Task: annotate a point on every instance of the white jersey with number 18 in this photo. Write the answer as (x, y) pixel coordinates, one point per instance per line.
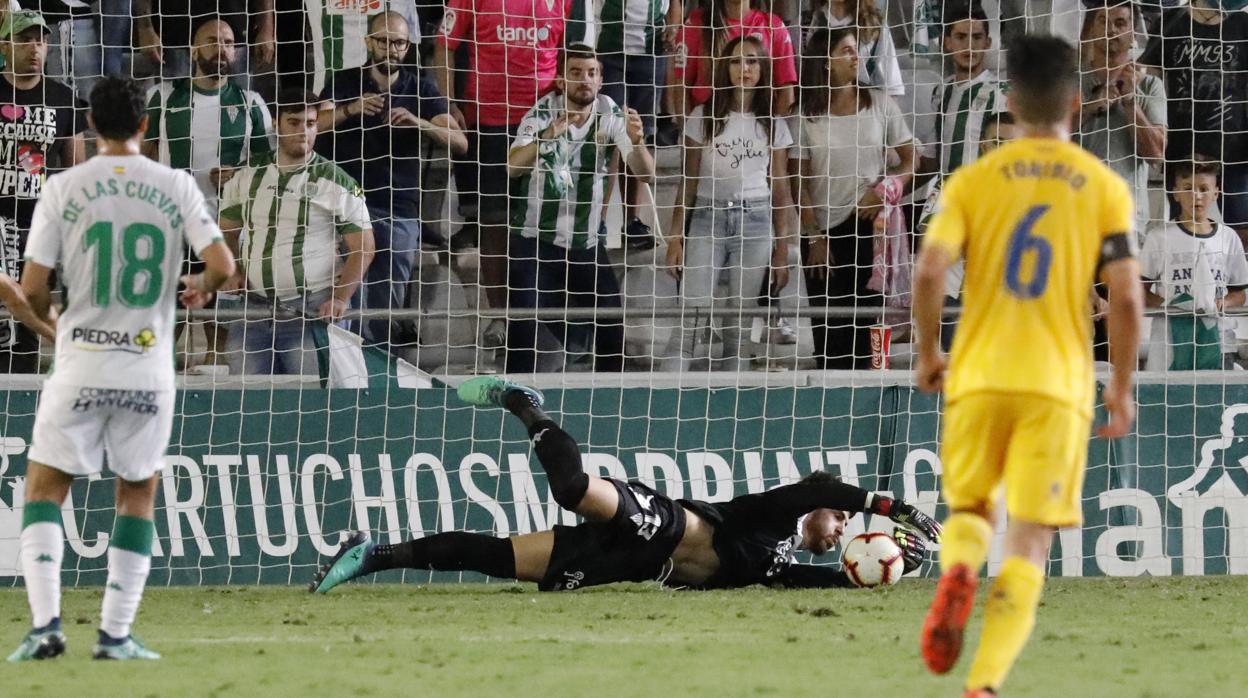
(115, 226)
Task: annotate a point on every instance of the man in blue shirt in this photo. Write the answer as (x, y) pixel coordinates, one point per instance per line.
(372, 121)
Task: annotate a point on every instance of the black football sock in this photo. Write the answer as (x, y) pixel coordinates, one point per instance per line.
(556, 451)
(561, 459)
(521, 404)
(447, 552)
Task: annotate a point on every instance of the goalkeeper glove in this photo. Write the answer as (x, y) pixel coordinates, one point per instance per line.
(913, 549)
(907, 515)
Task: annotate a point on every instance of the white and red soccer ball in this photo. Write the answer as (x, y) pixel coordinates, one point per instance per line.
(873, 559)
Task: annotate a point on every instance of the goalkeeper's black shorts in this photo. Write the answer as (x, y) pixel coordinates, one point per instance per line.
(634, 546)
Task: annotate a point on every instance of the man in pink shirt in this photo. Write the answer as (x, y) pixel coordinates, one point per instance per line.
(512, 48)
(725, 20)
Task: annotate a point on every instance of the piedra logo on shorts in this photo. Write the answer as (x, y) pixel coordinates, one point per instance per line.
(93, 339)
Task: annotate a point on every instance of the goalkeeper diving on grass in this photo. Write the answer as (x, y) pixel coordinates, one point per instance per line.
(632, 533)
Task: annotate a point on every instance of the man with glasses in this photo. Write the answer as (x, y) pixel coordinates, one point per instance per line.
(333, 31)
(372, 123)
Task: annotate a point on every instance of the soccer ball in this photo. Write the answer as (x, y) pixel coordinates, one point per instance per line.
(872, 559)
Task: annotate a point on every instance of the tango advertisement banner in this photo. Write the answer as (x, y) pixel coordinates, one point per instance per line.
(260, 484)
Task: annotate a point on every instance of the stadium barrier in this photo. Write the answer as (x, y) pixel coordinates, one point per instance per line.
(261, 482)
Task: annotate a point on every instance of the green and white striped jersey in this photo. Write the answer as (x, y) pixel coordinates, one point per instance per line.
(198, 129)
(631, 26)
(292, 221)
(560, 200)
(960, 109)
(338, 28)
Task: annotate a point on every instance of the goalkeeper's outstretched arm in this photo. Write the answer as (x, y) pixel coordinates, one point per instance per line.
(823, 491)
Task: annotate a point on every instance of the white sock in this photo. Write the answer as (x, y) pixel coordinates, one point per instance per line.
(43, 546)
(127, 575)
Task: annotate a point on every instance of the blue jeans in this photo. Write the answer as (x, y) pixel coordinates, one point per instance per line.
(385, 282)
(544, 275)
(728, 242)
(277, 345)
(96, 46)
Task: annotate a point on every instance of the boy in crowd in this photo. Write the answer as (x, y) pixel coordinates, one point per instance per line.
(1196, 264)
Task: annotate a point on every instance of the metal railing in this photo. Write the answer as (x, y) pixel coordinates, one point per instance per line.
(666, 313)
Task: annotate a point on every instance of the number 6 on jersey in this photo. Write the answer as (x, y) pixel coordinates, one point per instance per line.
(1022, 242)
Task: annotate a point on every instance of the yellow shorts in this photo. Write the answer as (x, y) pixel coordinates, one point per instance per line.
(1035, 447)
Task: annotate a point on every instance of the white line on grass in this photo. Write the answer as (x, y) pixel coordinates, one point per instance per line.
(614, 639)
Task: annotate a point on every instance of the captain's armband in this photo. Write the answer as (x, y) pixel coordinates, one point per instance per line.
(1115, 247)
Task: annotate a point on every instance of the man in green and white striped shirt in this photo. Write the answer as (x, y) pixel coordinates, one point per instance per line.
(961, 105)
(293, 211)
(559, 165)
(206, 124)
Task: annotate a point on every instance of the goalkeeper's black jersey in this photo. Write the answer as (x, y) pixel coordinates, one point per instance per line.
(753, 547)
(756, 535)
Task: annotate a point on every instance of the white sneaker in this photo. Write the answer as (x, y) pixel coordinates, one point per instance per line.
(783, 333)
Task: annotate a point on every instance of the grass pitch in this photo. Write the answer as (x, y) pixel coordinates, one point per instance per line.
(1095, 637)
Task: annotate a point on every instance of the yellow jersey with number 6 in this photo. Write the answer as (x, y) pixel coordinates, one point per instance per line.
(1029, 219)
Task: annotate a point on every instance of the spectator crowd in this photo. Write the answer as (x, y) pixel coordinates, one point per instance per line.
(806, 143)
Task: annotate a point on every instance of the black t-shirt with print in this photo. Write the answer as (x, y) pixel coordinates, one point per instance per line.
(32, 123)
(1206, 75)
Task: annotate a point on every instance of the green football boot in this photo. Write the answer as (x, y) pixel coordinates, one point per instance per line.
(41, 643)
(129, 648)
(350, 562)
(488, 391)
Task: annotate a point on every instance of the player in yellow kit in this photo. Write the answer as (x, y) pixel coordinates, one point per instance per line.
(1038, 221)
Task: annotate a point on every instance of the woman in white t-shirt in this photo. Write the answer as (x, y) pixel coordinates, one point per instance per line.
(845, 135)
(734, 191)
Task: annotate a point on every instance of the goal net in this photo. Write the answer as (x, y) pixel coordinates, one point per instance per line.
(733, 322)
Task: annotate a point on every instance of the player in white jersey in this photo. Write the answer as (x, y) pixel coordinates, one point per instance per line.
(114, 227)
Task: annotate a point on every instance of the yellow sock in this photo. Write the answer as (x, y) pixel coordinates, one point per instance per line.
(965, 541)
(1009, 616)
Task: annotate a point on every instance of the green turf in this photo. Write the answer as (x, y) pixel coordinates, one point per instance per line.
(1144, 637)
